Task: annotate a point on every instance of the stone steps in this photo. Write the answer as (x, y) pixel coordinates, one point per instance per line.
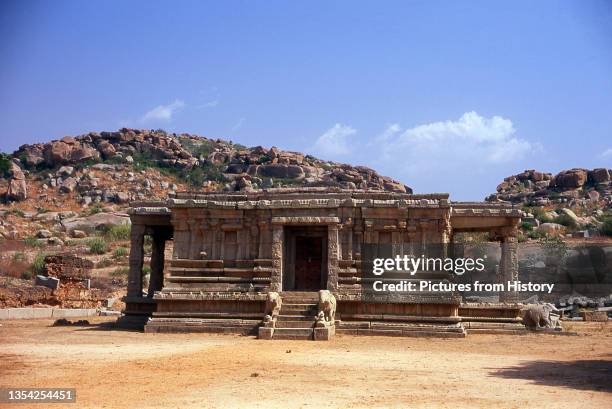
(297, 315)
(401, 329)
(295, 324)
(293, 333)
(186, 325)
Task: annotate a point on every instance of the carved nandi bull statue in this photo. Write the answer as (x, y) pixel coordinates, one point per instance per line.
(537, 316)
(327, 308)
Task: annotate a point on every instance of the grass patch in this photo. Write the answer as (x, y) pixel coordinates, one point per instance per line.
(97, 245)
(105, 262)
(120, 272)
(120, 252)
(36, 268)
(118, 233)
(16, 212)
(32, 242)
(19, 256)
(95, 209)
(566, 221)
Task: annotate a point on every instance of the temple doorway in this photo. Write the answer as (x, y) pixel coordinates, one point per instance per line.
(305, 266)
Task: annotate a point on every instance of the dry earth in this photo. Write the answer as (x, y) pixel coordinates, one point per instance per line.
(121, 369)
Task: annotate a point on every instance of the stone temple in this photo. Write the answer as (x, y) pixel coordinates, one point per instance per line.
(256, 262)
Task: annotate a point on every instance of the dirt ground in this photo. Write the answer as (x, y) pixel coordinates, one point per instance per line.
(121, 369)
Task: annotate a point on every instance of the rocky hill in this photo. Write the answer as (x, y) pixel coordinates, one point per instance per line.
(569, 188)
(575, 202)
(203, 163)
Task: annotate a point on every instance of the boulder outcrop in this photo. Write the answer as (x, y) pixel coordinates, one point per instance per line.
(574, 186)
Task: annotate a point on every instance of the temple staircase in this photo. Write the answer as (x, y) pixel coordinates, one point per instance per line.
(297, 316)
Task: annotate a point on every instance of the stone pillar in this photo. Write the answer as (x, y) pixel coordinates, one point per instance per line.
(192, 251)
(276, 279)
(349, 244)
(156, 282)
(181, 239)
(332, 257)
(508, 266)
(214, 252)
(263, 239)
(136, 259)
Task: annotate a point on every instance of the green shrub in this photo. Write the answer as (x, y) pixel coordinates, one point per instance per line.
(5, 163)
(120, 252)
(606, 228)
(97, 245)
(146, 269)
(565, 220)
(17, 212)
(263, 159)
(526, 226)
(95, 209)
(32, 242)
(117, 233)
(534, 234)
(38, 266)
(19, 256)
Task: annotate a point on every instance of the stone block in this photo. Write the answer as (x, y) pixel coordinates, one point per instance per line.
(4, 314)
(599, 316)
(323, 334)
(28, 313)
(50, 282)
(73, 312)
(265, 333)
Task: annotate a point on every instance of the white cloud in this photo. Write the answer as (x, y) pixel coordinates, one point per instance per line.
(209, 104)
(389, 132)
(606, 153)
(238, 124)
(471, 137)
(163, 113)
(335, 140)
(461, 156)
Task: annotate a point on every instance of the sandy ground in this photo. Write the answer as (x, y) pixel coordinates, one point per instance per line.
(122, 369)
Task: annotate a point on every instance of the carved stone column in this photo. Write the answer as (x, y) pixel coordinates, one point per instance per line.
(333, 256)
(156, 281)
(276, 279)
(263, 235)
(181, 239)
(192, 248)
(136, 259)
(508, 266)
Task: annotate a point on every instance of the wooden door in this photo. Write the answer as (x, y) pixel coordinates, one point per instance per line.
(308, 262)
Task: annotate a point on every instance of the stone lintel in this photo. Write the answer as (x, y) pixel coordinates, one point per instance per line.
(305, 220)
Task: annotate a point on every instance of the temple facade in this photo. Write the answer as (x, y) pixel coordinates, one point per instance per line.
(286, 263)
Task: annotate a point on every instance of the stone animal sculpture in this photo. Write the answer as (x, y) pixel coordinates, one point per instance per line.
(273, 304)
(327, 305)
(537, 316)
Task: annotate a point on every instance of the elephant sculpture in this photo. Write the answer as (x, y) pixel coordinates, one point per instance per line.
(538, 316)
(327, 306)
(273, 304)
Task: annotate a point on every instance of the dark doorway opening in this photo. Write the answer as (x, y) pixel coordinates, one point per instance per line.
(308, 260)
(305, 258)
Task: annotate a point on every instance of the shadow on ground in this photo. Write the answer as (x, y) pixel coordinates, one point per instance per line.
(594, 375)
(84, 325)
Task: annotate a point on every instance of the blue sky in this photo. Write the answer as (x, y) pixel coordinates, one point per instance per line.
(442, 95)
